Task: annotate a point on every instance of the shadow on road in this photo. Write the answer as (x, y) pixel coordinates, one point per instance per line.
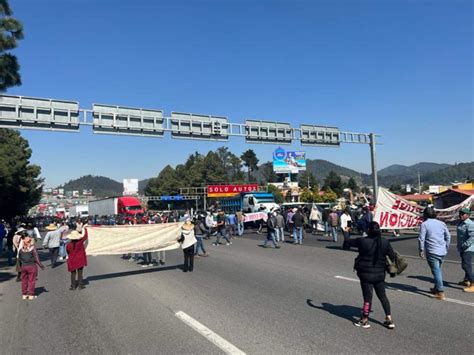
(130, 273)
(430, 280)
(349, 313)
(40, 290)
(339, 247)
(5, 276)
(401, 239)
(408, 288)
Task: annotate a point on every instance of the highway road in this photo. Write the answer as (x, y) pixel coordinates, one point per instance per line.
(241, 299)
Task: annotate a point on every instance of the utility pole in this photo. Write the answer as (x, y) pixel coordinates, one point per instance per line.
(419, 183)
(373, 159)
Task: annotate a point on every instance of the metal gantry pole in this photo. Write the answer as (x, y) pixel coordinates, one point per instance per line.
(373, 159)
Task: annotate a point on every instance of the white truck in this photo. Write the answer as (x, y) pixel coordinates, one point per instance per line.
(79, 211)
(122, 205)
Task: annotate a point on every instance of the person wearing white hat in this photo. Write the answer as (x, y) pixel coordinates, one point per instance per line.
(77, 260)
(187, 241)
(51, 241)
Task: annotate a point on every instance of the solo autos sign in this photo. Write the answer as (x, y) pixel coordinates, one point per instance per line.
(394, 212)
(229, 190)
(288, 161)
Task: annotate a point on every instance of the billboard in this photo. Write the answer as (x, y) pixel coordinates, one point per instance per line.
(285, 162)
(229, 190)
(130, 187)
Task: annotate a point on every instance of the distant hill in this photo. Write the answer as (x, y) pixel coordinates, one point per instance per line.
(430, 173)
(321, 168)
(453, 173)
(101, 186)
(142, 185)
(413, 170)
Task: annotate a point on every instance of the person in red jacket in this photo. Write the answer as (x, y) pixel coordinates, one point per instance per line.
(77, 259)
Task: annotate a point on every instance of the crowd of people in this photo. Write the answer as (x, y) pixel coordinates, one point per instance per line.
(68, 241)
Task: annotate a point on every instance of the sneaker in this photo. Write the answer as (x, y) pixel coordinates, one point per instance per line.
(363, 324)
(205, 254)
(61, 258)
(32, 297)
(464, 283)
(469, 289)
(264, 246)
(440, 296)
(277, 247)
(150, 264)
(145, 265)
(162, 262)
(389, 324)
(24, 297)
(228, 243)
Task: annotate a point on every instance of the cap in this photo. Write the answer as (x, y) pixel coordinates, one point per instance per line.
(465, 211)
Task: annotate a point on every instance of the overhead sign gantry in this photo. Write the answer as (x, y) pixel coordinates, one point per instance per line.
(23, 112)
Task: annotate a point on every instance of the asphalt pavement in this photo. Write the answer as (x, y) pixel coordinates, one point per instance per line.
(242, 298)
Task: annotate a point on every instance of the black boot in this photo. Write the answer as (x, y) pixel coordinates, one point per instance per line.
(79, 279)
(73, 281)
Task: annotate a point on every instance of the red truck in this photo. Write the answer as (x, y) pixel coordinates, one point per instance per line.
(123, 205)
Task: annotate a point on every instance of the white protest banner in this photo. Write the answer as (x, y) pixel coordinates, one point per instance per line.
(452, 213)
(143, 238)
(249, 217)
(394, 212)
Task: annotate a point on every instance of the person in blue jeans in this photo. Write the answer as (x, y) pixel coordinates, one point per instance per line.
(465, 246)
(433, 242)
(271, 227)
(221, 230)
(298, 222)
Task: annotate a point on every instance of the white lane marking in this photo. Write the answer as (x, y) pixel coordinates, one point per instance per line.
(223, 344)
(459, 302)
(346, 278)
(452, 300)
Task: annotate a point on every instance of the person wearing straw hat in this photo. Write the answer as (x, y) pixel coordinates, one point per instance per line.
(77, 258)
(51, 241)
(187, 241)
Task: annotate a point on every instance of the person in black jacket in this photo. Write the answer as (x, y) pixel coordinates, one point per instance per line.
(370, 267)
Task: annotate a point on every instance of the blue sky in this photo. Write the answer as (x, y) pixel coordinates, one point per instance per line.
(402, 69)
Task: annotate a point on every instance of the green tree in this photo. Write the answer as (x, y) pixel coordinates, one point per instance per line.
(276, 193)
(20, 184)
(316, 196)
(236, 169)
(329, 195)
(334, 182)
(307, 178)
(11, 30)
(306, 195)
(250, 161)
(267, 173)
(352, 184)
(396, 189)
(213, 169)
(165, 183)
